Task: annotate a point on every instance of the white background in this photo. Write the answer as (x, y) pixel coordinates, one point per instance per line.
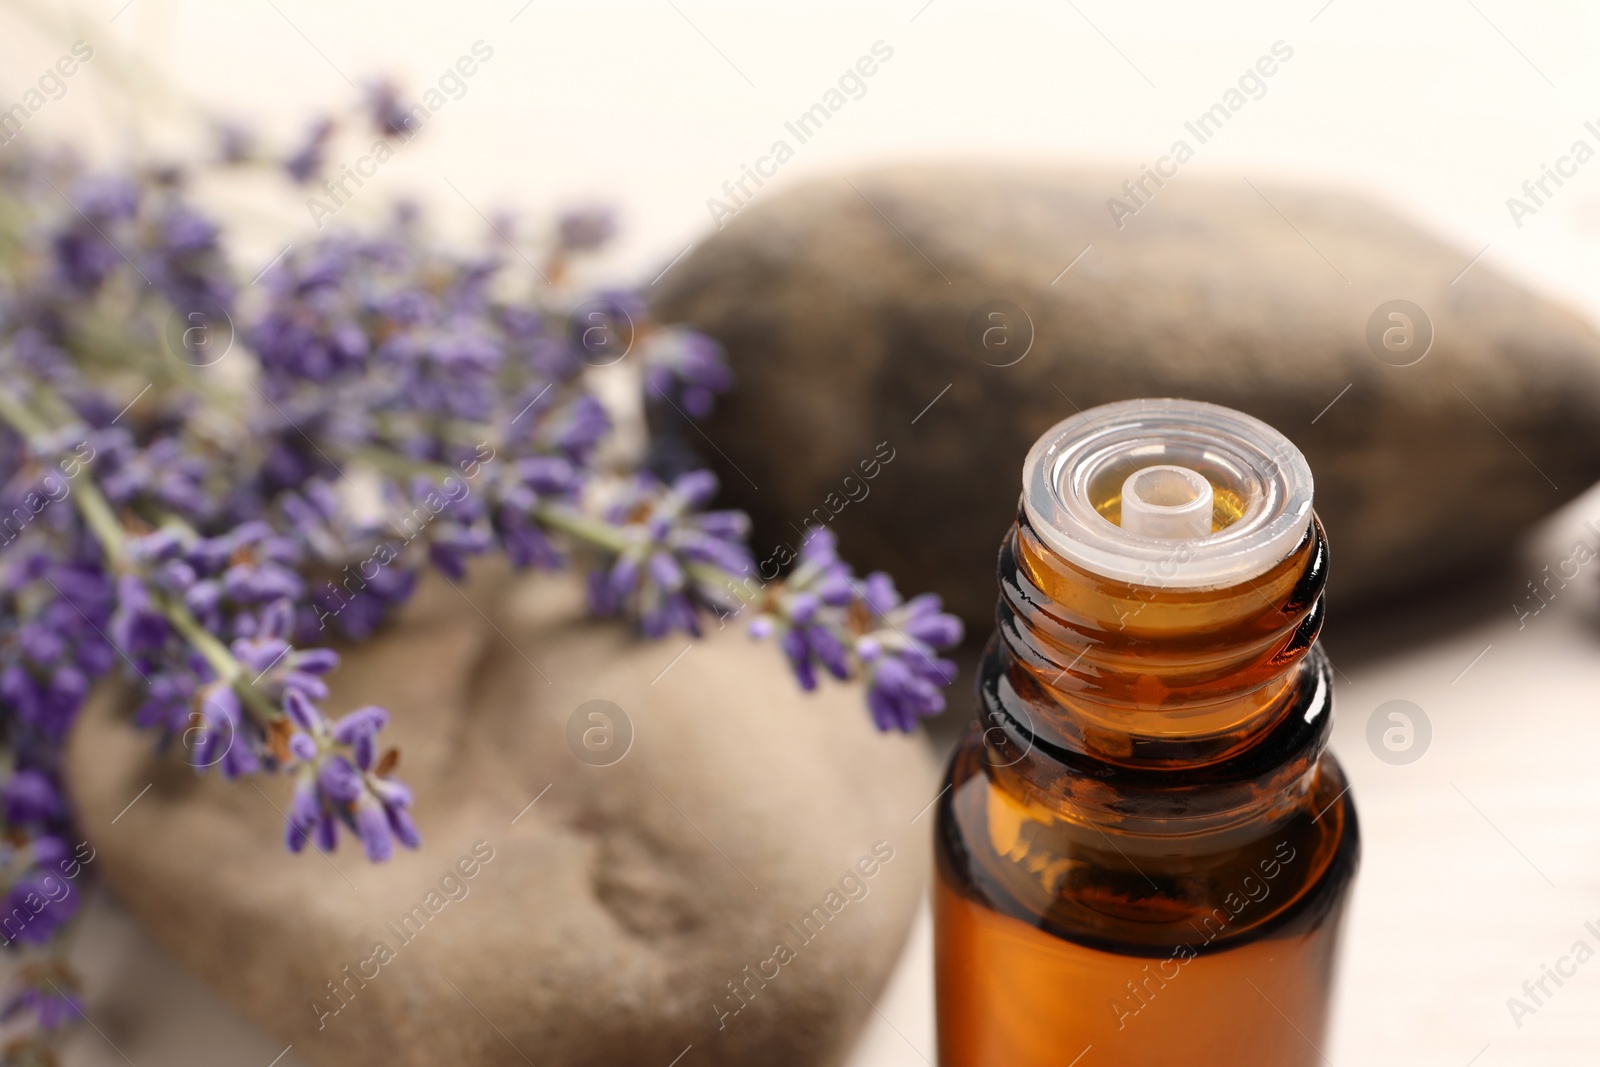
(1442, 108)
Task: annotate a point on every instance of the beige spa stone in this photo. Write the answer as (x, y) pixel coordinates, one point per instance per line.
(614, 911)
(847, 305)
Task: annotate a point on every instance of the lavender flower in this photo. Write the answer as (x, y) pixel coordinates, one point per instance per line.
(42, 894)
(402, 407)
(363, 578)
(905, 675)
(826, 618)
(387, 113)
(53, 612)
(48, 994)
(85, 250)
(235, 143)
(334, 786)
(312, 329)
(686, 368)
(518, 492)
(674, 556)
(585, 229)
(308, 160)
(29, 797)
(579, 428)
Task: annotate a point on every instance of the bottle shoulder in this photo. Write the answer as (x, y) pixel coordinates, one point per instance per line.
(1092, 882)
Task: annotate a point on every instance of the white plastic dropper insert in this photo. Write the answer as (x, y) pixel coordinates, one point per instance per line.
(1167, 501)
(1165, 463)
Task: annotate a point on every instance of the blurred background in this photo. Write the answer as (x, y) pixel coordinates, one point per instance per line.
(1481, 864)
(1442, 109)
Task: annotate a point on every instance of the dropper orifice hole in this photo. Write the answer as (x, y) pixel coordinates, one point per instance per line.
(1167, 501)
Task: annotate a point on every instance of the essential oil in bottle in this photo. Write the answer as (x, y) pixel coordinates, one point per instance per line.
(1144, 848)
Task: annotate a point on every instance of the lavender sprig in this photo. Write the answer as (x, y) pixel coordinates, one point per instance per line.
(823, 616)
(214, 529)
(232, 705)
(667, 557)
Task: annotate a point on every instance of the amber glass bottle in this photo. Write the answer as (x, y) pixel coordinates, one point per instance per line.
(1144, 848)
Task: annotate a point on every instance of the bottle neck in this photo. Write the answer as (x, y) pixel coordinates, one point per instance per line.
(1163, 711)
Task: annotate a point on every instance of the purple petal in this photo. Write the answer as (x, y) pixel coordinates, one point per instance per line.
(665, 572)
(802, 608)
(799, 653)
(372, 824)
(624, 577)
(697, 488)
(829, 651)
(302, 747)
(316, 660)
(305, 716)
(879, 593)
(339, 780)
(938, 629)
(361, 722)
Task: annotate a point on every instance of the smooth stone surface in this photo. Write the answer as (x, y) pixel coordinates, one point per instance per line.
(614, 911)
(848, 311)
